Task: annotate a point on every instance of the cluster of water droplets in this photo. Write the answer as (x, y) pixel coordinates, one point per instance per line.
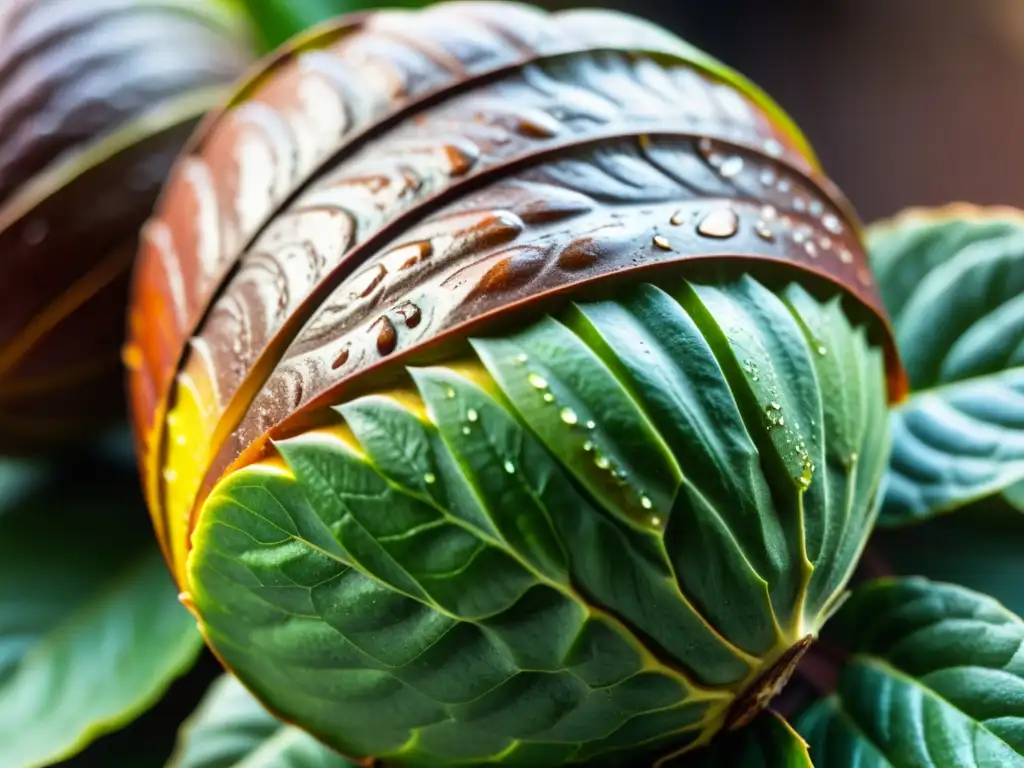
(792, 209)
(589, 445)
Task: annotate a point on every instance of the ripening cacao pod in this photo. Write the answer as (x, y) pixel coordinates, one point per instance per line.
(97, 97)
(509, 388)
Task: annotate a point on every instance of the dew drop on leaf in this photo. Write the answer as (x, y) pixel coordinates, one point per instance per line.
(568, 415)
(831, 222)
(720, 223)
(733, 166)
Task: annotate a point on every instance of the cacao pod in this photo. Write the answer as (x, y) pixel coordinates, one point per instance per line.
(508, 388)
(97, 98)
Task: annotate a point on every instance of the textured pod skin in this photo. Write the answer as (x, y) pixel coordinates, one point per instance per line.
(96, 100)
(508, 388)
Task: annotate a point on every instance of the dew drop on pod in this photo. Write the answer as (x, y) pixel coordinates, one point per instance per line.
(511, 387)
(97, 97)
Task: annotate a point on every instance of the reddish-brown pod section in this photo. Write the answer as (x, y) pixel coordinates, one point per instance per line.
(401, 179)
(97, 97)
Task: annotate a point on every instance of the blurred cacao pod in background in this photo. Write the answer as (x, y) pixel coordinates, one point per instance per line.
(508, 387)
(97, 97)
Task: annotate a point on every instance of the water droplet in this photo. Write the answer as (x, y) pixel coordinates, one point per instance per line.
(645, 502)
(568, 415)
(341, 359)
(800, 236)
(720, 223)
(466, 430)
(784, 186)
(768, 177)
(410, 314)
(763, 231)
(825, 242)
(170, 475)
(812, 250)
(715, 160)
(602, 461)
(537, 381)
(449, 393)
(677, 218)
(731, 167)
(548, 397)
(845, 256)
(776, 406)
(799, 204)
(472, 415)
(656, 521)
(773, 148)
(822, 350)
(591, 424)
(510, 467)
(387, 336)
(181, 440)
(521, 358)
(769, 212)
(429, 478)
(831, 222)
(816, 208)
(662, 243)
(588, 446)
(782, 421)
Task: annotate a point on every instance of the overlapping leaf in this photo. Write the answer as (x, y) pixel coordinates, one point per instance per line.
(953, 281)
(91, 632)
(935, 679)
(96, 100)
(230, 729)
(524, 554)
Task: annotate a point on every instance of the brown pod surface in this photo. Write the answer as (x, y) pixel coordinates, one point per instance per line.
(399, 178)
(97, 97)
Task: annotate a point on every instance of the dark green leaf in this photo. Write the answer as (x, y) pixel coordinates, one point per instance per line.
(935, 679)
(953, 281)
(979, 547)
(768, 742)
(230, 729)
(91, 632)
(277, 21)
(574, 541)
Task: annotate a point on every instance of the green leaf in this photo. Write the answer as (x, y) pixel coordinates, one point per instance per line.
(277, 21)
(91, 632)
(768, 742)
(579, 540)
(978, 547)
(935, 679)
(953, 281)
(231, 729)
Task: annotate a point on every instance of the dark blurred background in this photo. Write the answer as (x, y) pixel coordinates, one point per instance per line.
(908, 102)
